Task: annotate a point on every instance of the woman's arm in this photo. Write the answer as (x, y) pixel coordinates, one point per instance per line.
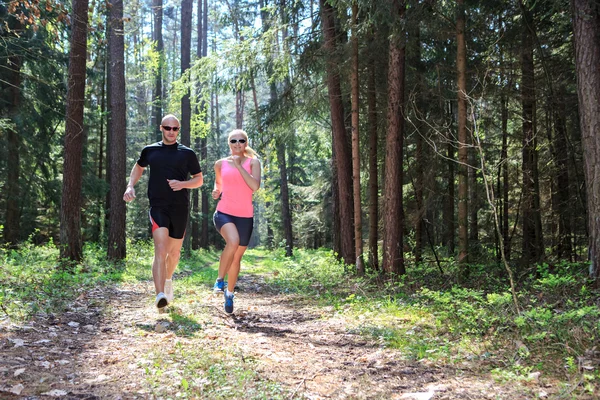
(253, 179)
(217, 189)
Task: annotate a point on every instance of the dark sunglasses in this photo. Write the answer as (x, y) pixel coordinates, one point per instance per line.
(168, 128)
(233, 141)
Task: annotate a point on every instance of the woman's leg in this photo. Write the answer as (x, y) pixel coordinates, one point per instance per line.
(234, 268)
(232, 243)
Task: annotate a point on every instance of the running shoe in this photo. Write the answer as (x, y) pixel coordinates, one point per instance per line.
(219, 286)
(228, 303)
(169, 289)
(161, 300)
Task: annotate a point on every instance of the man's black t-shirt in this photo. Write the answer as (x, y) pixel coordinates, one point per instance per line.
(173, 161)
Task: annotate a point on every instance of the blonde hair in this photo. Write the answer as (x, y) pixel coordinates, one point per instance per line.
(248, 151)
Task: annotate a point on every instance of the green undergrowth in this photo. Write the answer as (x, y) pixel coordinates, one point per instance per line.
(425, 314)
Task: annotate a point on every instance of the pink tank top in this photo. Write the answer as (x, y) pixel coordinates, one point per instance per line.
(236, 196)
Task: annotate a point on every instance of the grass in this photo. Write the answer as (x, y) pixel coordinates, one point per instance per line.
(424, 314)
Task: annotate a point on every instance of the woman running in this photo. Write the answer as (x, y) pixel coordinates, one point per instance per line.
(237, 177)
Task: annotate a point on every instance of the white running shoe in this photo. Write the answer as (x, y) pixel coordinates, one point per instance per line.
(169, 289)
(161, 300)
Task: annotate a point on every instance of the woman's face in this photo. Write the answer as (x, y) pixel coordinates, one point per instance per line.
(237, 143)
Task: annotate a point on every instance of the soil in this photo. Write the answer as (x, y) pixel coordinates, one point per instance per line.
(90, 351)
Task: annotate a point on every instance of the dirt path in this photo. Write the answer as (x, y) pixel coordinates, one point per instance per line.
(93, 350)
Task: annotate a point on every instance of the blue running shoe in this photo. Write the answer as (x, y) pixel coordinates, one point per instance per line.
(228, 303)
(219, 286)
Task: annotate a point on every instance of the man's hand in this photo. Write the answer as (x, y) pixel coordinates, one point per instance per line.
(129, 194)
(176, 185)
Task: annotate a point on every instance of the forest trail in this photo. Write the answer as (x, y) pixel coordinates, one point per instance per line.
(98, 349)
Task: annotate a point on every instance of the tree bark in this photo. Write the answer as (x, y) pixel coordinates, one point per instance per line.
(586, 18)
(117, 127)
(342, 159)
(71, 246)
(393, 225)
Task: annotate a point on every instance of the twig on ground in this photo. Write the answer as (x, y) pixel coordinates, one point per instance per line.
(303, 381)
(4, 309)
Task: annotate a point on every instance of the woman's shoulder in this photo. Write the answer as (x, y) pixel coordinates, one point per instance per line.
(219, 162)
(254, 161)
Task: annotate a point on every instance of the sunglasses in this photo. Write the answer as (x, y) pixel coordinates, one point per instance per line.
(233, 141)
(168, 128)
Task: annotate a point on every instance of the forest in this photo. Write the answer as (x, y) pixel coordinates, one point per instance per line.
(429, 188)
(393, 132)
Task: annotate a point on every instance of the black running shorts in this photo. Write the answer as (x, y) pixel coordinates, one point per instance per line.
(244, 225)
(173, 218)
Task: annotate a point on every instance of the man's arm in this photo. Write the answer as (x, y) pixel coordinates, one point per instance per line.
(196, 181)
(134, 177)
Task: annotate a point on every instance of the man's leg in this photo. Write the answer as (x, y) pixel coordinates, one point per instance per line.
(159, 265)
(173, 255)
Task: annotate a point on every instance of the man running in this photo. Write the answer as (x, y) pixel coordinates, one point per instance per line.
(171, 164)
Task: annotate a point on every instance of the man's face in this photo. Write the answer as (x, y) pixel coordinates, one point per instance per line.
(170, 131)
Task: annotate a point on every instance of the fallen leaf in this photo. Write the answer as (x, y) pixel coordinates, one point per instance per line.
(73, 324)
(418, 396)
(18, 342)
(19, 372)
(17, 389)
(55, 393)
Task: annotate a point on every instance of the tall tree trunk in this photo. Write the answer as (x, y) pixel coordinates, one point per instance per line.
(282, 149)
(186, 51)
(71, 246)
(13, 215)
(414, 50)
(358, 246)
(186, 106)
(341, 146)
(157, 6)
(373, 169)
(239, 106)
(117, 127)
(101, 147)
(586, 17)
(285, 199)
(505, 181)
(531, 214)
(562, 196)
(202, 51)
(473, 206)
(463, 141)
(393, 225)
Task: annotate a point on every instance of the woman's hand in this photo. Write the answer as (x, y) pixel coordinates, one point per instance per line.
(216, 193)
(237, 161)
